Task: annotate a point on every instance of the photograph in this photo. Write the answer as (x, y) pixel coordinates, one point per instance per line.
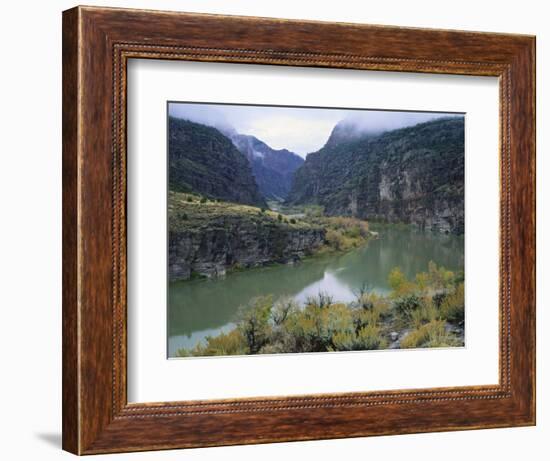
(312, 229)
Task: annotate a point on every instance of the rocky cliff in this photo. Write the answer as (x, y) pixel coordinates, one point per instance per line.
(207, 239)
(413, 175)
(201, 159)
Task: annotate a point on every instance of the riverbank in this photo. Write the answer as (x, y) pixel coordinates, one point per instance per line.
(425, 312)
(209, 238)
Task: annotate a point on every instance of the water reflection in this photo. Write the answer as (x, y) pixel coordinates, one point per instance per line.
(206, 307)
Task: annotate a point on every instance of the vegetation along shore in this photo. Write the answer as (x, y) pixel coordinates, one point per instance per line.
(425, 312)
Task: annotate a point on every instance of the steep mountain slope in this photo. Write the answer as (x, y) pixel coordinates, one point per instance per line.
(346, 131)
(203, 160)
(273, 169)
(413, 175)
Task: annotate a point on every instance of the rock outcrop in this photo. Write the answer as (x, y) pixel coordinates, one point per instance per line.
(209, 239)
(412, 175)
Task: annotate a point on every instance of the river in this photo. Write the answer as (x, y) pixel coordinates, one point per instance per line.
(200, 308)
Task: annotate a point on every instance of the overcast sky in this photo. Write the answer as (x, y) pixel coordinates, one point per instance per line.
(300, 130)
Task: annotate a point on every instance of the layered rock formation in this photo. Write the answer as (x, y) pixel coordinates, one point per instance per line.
(413, 175)
(208, 239)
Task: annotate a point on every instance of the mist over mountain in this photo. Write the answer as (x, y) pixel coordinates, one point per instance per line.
(301, 130)
(273, 169)
(375, 165)
(205, 114)
(362, 124)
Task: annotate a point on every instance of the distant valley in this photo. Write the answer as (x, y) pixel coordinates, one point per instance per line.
(273, 169)
(412, 175)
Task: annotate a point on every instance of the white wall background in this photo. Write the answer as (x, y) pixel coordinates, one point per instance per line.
(30, 230)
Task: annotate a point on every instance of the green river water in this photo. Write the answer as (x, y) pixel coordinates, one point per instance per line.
(200, 308)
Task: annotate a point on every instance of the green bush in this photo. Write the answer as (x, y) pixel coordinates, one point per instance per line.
(231, 343)
(432, 334)
(406, 305)
(418, 311)
(284, 307)
(452, 307)
(399, 283)
(439, 277)
(353, 232)
(425, 313)
(369, 338)
(254, 323)
(334, 239)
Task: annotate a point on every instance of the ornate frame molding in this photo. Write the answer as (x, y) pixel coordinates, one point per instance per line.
(98, 43)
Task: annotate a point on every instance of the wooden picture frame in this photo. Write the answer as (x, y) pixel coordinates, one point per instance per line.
(97, 43)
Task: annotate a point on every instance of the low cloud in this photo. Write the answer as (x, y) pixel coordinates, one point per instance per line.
(300, 130)
(378, 121)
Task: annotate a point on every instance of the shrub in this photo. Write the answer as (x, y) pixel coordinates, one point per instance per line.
(231, 343)
(282, 309)
(313, 329)
(369, 338)
(204, 200)
(406, 305)
(426, 313)
(398, 282)
(439, 277)
(189, 199)
(307, 331)
(438, 298)
(367, 300)
(432, 334)
(452, 307)
(253, 323)
(292, 221)
(334, 239)
(338, 318)
(362, 318)
(422, 281)
(184, 216)
(321, 301)
(353, 232)
(343, 341)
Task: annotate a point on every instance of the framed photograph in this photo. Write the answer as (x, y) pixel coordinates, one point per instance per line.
(281, 230)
